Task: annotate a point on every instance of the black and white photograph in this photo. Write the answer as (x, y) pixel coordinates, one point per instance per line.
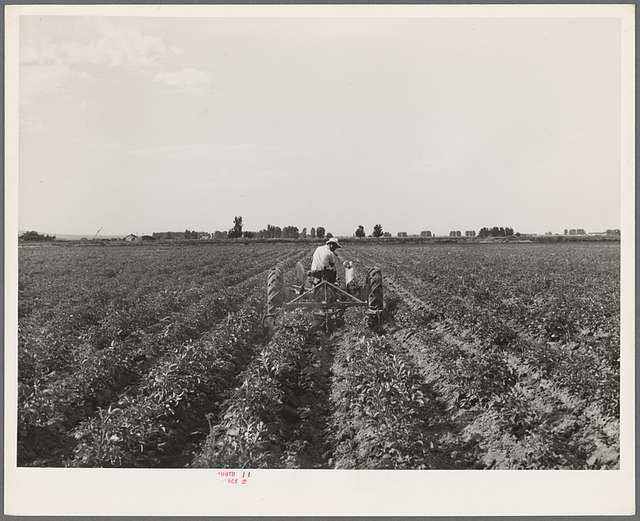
(348, 238)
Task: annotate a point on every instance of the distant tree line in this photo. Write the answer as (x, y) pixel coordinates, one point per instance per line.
(270, 232)
(275, 232)
(495, 232)
(35, 236)
(319, 232)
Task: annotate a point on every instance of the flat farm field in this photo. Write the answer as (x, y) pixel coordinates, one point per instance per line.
(490, 356)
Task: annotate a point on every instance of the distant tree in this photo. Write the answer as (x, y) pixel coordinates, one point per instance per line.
(275, 232)
(303, 233)
(236, 231)
(320, 232)
(360, 231)
(386, 234)
(566, 232)
(377, 230)
(329, 235)
(219, 235)
(35, 236)
(290, 232)
(248, 235)
(272, 232)
(312, 233)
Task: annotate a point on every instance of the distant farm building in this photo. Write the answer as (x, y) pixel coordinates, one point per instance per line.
(131, 237)
(470, 233)
(402, 234)
(426, 233)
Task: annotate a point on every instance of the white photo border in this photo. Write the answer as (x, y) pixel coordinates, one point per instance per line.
(190, 492)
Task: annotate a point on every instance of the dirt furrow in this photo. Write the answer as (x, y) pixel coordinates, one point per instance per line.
(504, 376)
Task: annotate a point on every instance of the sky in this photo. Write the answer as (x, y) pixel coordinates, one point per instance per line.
(136, 125)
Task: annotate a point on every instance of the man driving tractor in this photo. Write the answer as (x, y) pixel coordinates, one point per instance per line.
(323, 265)
(319, 291)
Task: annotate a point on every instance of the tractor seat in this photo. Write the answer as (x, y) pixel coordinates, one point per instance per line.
(329, 275)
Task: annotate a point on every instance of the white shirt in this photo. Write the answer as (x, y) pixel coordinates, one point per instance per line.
(323, 258)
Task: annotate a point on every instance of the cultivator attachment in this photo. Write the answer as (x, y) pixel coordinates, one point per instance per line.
(320, 293)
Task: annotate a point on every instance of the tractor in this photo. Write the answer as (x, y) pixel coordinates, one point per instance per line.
(327, 298)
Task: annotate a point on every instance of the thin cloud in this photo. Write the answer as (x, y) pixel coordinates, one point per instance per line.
(113, 48)
(37, 80)
(48, 66)
(185, 79)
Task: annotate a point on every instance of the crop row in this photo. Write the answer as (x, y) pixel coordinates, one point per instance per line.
(385, 416)
(268, 422)
(504, 410)
(84, 309)
(570, 365)
(153, 426)
(54, 405)
(157, 421)
(562, 294)
(48, 413)
(505, 413)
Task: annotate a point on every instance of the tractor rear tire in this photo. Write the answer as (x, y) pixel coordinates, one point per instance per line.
(275, 291)
(374, 284)
(275, 299)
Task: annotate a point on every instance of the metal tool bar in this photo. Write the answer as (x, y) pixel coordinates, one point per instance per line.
(331, 305)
